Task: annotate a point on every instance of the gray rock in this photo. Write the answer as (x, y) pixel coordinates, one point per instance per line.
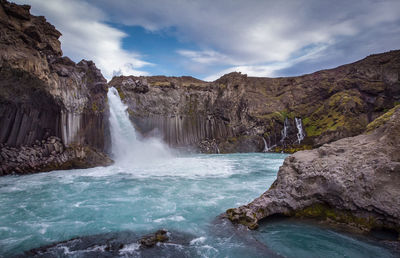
(353, 181)
(38, 159)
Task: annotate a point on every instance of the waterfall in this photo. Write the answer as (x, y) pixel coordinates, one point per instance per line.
(70, 125)
(300, 132)
(216, 146)
(285, 130)
(266, 149)
(127, 146)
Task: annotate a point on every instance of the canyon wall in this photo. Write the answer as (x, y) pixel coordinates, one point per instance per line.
(43, 94)
(237, 113)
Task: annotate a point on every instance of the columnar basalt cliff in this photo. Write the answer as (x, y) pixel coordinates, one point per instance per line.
(238, 113)
(43, 94)
(353, 181)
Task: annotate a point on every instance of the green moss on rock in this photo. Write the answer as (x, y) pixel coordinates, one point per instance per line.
(292, 148)
(121, 94)
(324, 212)
(340, 111)
(240, 218)
(381, 120)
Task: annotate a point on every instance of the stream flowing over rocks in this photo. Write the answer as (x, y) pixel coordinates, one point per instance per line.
(354, 181)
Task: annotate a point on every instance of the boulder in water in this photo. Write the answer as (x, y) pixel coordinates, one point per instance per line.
(151, 240)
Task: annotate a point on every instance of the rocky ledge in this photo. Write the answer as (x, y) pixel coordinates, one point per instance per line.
(47, 155)
(354, 181)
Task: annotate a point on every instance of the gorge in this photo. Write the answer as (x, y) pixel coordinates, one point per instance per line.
(176, 155)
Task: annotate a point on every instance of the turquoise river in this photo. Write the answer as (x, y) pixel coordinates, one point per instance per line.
(150, 188)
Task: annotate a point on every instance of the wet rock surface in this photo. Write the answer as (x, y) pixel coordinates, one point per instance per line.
(151, 240)
(127, 243)
(354, 181)
(47, 155)
(44, 94)
(328, 105)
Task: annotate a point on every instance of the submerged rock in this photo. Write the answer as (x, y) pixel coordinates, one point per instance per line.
(151, 240)
(354, 181)
(123, 244)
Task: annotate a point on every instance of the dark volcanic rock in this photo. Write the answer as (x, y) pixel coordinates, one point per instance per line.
(332, 104)
(47, 155)
(354, 181)
(120, 244)
(151, 240)
(43, 94)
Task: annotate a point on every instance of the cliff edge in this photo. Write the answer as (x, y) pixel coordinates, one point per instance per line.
(237, 113)
(43, 95)
(354, 181)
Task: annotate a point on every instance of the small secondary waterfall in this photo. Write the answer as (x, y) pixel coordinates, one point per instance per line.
(300, 132)
(127, 147)
(216, 146)
(266, 149)
(284, 131)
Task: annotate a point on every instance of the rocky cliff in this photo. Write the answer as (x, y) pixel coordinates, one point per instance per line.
(44, 94)
(353, 181)
(237, 112)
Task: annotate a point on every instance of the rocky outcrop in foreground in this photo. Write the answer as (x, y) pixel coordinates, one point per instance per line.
(354, 181)
(44, 94)
(237, 113)
(126, 244)
(47, 155)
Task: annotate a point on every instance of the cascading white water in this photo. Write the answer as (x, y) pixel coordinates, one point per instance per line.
(300, 132)
(266, 149)
(285, 130)
(216, 146)
(128, 148)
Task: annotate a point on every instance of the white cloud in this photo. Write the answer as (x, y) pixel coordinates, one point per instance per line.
(252, 33)
(256, 37)
(86, 36)
(205, 56)
(269, 70)
(250, 70)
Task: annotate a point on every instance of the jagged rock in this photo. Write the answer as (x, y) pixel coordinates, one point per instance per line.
(118, 244)
(44, 95)
(332, 104)
(151, 240)
(354, 181)
(34, 159)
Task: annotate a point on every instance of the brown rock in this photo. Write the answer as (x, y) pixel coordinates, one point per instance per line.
(332, 104)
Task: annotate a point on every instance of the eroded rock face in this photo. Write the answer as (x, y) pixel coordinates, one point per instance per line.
(353, 181)
(43, 94)
(47, 155)
(328, 105)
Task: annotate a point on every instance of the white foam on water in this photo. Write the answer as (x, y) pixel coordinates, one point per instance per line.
(176, 218)
(199, 240)
(130, 248)
(128, 148)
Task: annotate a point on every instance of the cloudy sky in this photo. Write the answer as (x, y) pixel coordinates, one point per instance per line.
(208, 38)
